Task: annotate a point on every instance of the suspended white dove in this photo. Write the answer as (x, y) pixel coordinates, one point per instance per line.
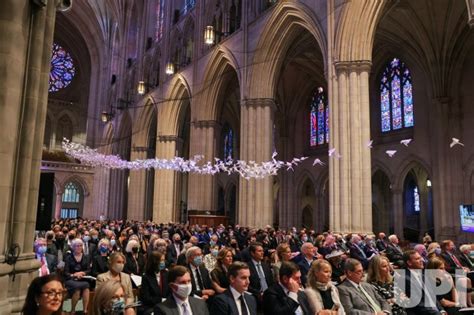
(455, 142)
(391, 153)
(319, 162)
(369, 144)
(406, 142)
(331, 151)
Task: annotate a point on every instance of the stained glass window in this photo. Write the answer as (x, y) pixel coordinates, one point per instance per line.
(71, 193)
(62, 69)
(188, 5)
(416, 200)
(160, 18)
(396, 97)
(319, 119)
(228, 143)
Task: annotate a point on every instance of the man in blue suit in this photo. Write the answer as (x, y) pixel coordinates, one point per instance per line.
(235, 301)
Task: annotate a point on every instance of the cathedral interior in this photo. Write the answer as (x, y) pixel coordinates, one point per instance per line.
(377, 94)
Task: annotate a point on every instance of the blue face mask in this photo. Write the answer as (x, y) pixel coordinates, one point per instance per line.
(112, 242)
(437, 251)
(197, 260)
(471, 254)
(86, 238)
(212, 243)
(214, 252)
(41, 250)
(94, 237)
(118, 305)
(162, 265)
(103, 249)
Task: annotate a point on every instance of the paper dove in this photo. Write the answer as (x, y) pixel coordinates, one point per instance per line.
(369, 144)
(319, 162)
(406, 142)
(455, 142)
(391, 153)
(331, 151)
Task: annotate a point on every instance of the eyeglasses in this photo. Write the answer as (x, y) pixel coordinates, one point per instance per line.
(53, 294)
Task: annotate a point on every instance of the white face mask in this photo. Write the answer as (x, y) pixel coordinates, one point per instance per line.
(184, 290)
(117, 268)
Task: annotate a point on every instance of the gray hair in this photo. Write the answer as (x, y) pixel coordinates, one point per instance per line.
(131, 244)
(464, 247)
(77, 241)
(392, 237)
(350, 264)
(191, 252)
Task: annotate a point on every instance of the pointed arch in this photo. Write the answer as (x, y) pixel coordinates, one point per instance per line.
(171, 113)
(356, 29)
(221, 65)
(285, 24)
(77, 180)
(144, 121)
(406, 166)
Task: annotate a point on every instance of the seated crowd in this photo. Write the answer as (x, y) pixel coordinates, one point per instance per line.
(128, 267)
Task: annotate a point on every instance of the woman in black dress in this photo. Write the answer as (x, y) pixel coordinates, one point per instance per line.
(76, 267)
(154, 282)
(219, 279)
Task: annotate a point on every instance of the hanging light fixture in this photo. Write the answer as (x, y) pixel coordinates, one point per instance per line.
(106, 117)
(209, 35)
(141, 88)
(428, 183)
(169, 68)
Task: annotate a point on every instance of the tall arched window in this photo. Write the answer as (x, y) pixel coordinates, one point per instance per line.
(70, 201)
(319, 119)
(188, 5)
(228, 142)
(396, 97)
(160, 19)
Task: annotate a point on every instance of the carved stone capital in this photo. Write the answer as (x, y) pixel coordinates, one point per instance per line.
(350, 66)
(259, 102)
(206, 124)
(170, 138)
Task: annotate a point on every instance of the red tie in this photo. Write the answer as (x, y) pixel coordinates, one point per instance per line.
(456, 261)
(44, 267)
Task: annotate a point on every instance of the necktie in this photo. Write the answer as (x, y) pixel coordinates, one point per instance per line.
(361, 251)
(468, 260)
(456, 261)
(242, 305)
(261, 275)
(86, 251)
(44, 267)
(375, 307)
(201, 286)
(185, 309)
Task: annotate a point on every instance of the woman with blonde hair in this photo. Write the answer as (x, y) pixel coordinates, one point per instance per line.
(379, 275)
(323, 296)
(109, 299)
(219, 279)
(434, 250)
(116, 265)
(283, 253)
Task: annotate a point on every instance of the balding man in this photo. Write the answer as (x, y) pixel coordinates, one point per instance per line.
(174, 249)
(394, 252)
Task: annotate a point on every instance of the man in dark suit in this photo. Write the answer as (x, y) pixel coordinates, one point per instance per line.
(180, 302)
(201, 282)
(48, 262)
(174, 250)
(381, 242)
(285, 296)
(307, 249)
(356, 251)
(394, 252)
(260, 274)
(359, 297)
(235, 301)
(464, 256)
(452, 261)
(414, 278)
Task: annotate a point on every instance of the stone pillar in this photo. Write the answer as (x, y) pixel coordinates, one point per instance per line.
(118, 193)
(398, 211)
(137, 187)
(58, 204)
(26, 36)
(101, 190)
(256, 144)
(202, 188)
(167, 183)
(350, 176)
(445, 118)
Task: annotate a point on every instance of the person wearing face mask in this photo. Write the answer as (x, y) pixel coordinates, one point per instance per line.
(210, 259)
(109, 299)
(201, 282)
(464, 257)
(89, 247)
(50, 245)
(48, 261)
(100, 261)
(434, 250)
(135, 262)
(154, 287)
(179, 281)
(116, 265)
(174, 249)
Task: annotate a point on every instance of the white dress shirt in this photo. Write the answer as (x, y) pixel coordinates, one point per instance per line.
(180, 303)
(236, 296)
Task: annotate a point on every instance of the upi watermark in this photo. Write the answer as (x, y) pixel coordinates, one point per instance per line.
(420, 287)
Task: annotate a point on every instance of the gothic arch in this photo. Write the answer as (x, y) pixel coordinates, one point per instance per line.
(285, 24)
(221, 64)
(144, 121)
(171, 113)
(356, 29)
(378, 165)
(77, 180)
(406, 166)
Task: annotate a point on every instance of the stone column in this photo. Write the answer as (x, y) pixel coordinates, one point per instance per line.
(137, 187)
(101, 192)
(167, 183)
(202, 188)
(350, 176)
(398, 211)
(445, 118)
(58, 204)
(256, 144)
(118, 193)
(26, 36)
